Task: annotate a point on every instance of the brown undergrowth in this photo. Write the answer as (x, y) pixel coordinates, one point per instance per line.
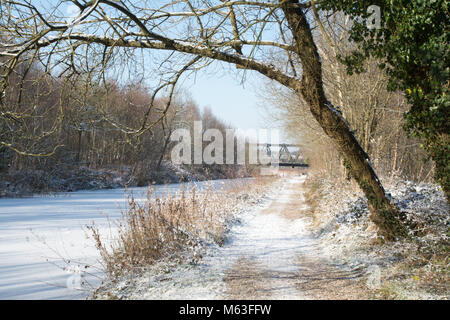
(171, 226)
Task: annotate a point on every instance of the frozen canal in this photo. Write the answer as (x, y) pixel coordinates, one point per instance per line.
(45, 251)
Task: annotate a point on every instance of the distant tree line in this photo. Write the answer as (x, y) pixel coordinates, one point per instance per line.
(74, 121)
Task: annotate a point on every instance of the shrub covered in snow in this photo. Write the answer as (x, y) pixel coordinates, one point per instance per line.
(173, 227)
(417, 267)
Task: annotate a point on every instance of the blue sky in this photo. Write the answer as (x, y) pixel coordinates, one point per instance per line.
(229, 100)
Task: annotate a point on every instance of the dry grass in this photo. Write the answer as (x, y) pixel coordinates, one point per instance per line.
(171, 226)
(320, 279)
(248, 280)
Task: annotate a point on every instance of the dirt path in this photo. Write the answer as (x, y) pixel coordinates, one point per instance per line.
(290, 265)
(271, 254)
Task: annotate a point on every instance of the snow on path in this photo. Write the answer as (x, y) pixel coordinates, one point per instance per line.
(36, 229)
(260, 260)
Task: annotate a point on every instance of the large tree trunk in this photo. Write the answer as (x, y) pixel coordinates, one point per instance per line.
(383, 212)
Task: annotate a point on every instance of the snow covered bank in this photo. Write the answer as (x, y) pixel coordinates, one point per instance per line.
(417, 268)
(270, 253)
(71, 178)
(197, 272)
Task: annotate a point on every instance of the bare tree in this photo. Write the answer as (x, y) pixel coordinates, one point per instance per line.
(374, 113)
(247, 34)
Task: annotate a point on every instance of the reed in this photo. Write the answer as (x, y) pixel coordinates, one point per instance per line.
(172, 226)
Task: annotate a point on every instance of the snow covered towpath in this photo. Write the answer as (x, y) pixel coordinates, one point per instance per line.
(270, 254)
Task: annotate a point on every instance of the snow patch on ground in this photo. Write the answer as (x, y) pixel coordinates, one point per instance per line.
(346, 234)
(268, 242)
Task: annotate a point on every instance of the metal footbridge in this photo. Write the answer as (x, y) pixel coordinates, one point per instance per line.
(283, 154)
